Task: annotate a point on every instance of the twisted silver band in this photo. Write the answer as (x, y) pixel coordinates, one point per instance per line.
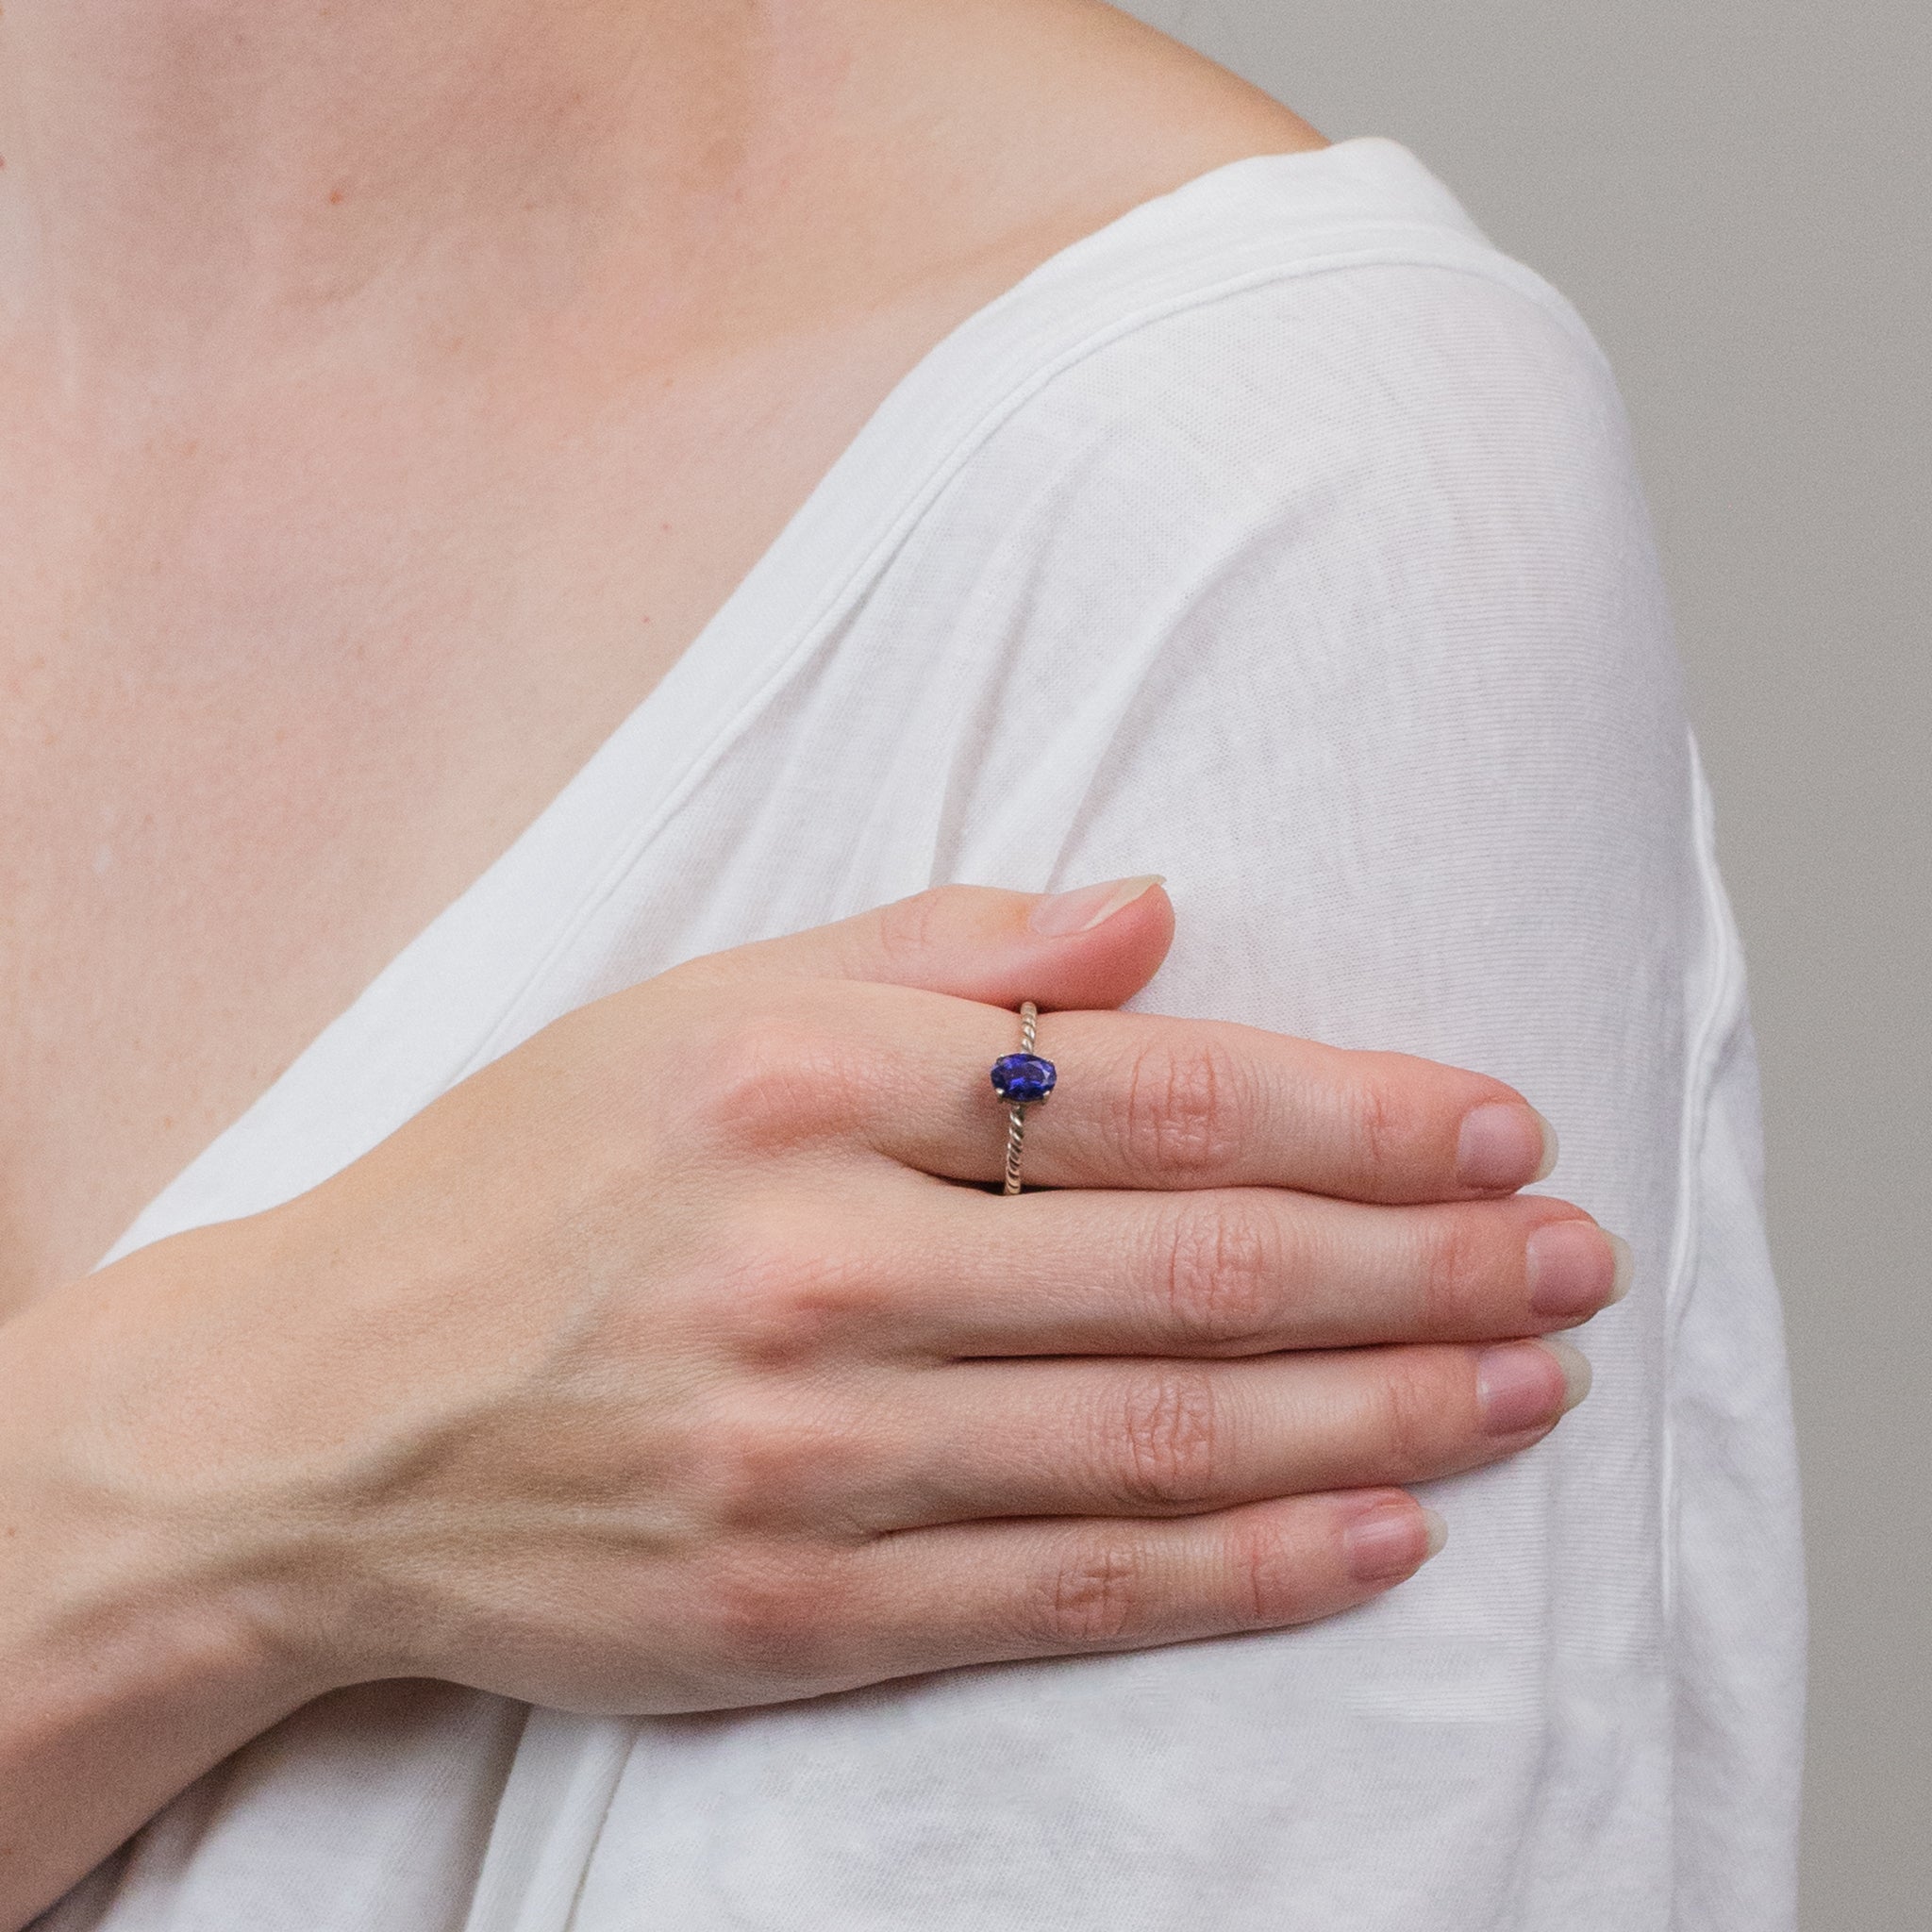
(1016, 1115)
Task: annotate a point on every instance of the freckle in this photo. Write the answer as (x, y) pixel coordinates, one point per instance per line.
(335, 194)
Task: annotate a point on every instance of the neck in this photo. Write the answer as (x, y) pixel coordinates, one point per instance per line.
(186, 178)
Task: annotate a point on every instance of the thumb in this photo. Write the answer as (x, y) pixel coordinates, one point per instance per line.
(1094, 947)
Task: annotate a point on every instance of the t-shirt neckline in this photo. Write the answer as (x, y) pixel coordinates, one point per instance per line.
(390, 1049)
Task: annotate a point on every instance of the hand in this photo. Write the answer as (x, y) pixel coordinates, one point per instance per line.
(664, 1366)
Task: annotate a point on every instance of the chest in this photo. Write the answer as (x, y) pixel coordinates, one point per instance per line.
(276, 684)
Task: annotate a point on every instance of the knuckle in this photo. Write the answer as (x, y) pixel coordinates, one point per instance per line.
(785, 1300)
(741, 1463)
(1413, 1411)
(1182, 1108)
(910, 929)
(771, 1078)
(1379, 1131)
(771, 1612)
(1092, 1594)
(1458, 1275)
(762, 1461)
(1167, 1452)
(1269, 1584)
(1223, 1267)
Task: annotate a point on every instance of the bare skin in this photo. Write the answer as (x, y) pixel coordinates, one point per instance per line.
(388, 394)
(622, 1405)
(361, 469)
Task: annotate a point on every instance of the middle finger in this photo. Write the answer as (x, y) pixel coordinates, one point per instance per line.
(1228, 1270)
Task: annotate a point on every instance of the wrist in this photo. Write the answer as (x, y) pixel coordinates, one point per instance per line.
(132, 1565)
(107, 1711)
(140, 1641)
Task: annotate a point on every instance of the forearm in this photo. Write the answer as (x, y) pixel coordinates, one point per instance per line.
(134, 1652)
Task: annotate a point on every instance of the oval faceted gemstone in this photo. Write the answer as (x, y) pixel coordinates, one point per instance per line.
(1020, 1078)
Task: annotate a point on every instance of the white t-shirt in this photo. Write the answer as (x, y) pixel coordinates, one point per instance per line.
(1283, 537)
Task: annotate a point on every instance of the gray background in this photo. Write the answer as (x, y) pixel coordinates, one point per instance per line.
(1736, 194)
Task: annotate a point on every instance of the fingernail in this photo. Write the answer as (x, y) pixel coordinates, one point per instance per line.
(1085, 906)
(1388, 1539)
(1570, 1267)
(1575, 1367)
(1626, 1267)
(1522, 1385)
(1504, 1144)
(1439, 1532)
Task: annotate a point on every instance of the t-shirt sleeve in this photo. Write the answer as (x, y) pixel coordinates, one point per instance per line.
(1344, 612)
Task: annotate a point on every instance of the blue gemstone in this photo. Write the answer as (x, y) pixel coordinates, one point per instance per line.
(1020, 1078)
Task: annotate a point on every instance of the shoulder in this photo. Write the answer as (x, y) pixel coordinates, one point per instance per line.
(1326, 400)
(1369, 506)
(1297, 453)
(1356, 363)
(1026, 118)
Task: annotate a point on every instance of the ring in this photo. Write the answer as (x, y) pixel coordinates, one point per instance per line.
(1022, 1080)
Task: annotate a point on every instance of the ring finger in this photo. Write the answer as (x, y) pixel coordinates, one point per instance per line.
(1158, 1438)
(1142, 1101)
